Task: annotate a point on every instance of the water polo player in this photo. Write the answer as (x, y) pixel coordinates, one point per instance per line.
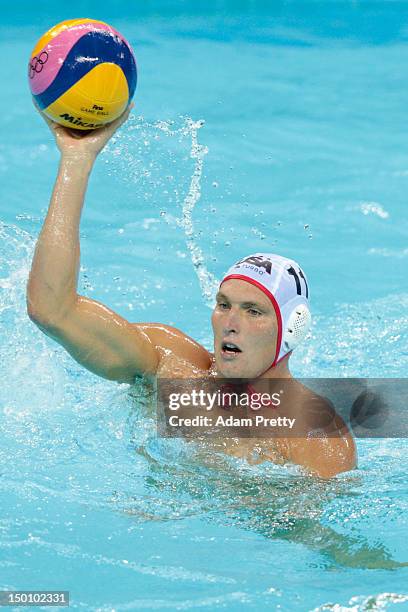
(261, 315)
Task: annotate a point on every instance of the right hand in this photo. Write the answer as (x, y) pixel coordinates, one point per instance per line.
(84, 145)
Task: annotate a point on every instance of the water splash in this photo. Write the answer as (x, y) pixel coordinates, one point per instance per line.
(141, 142)
(374, 208)
(364, 604)
(208, 282)
(364, 339)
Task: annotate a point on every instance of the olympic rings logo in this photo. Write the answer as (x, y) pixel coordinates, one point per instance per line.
(37, 64)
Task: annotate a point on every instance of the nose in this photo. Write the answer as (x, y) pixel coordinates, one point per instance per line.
(231, 322)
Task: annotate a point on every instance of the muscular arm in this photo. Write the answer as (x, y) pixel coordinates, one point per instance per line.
(95, 336)
(52, 284)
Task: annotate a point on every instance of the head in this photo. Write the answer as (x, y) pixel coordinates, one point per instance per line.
(261, 315)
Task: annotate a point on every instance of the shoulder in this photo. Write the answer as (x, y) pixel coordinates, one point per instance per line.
(326, 446)
(168, 339)
(326, 456)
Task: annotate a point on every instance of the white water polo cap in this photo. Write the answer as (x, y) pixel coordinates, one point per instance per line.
(285, 284)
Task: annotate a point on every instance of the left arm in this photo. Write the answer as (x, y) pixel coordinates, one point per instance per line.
(329, 454)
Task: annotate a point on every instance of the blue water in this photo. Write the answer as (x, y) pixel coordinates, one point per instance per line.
(255, 128)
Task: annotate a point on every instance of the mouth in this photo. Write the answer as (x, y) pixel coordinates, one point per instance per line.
(230, 350)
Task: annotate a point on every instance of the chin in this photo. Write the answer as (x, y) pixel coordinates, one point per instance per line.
(231, 371)
(240, 371)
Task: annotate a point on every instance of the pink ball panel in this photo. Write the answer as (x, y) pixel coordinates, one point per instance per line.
(58, 49)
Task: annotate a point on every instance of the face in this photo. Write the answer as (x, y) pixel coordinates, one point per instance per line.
(245, 330)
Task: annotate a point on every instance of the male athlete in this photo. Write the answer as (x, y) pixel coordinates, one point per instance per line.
(261, 314)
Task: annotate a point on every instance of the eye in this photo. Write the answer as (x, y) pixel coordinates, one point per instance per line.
(254, 313)
(222, 305)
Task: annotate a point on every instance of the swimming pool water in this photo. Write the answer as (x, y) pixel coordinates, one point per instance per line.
(256, 128)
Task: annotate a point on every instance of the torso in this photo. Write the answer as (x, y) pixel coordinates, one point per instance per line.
(254, 450)
(183, 358)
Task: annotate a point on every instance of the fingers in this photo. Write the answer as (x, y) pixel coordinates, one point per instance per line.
(114, 125)
(111, 127)
(51, 124)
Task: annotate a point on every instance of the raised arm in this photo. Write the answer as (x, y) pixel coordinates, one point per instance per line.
(94, 335)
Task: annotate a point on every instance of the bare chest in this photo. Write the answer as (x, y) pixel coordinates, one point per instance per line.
(253, 450)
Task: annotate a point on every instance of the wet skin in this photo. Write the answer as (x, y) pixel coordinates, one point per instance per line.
(244, 322)
(244, 316)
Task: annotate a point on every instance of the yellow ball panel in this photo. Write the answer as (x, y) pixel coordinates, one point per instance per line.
(55, 30)
(98, 98)
(106, 84)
